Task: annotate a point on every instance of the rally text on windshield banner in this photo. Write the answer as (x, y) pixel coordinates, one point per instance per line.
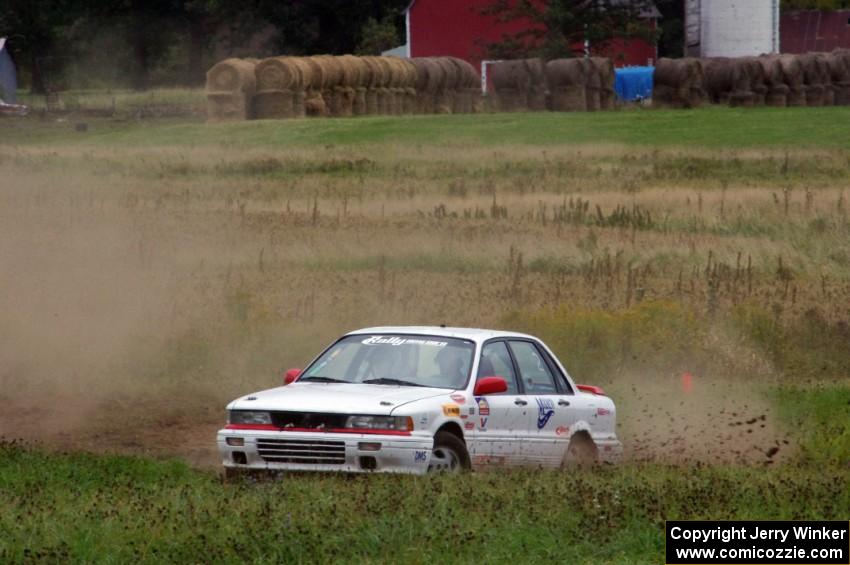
(758, 542)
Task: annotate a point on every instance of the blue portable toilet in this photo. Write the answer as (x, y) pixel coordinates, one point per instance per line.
(8, 76)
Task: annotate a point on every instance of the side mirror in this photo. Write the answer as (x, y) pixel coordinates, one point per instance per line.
(490, 385)
(290, 376)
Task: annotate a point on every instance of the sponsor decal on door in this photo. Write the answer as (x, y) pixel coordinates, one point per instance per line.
(545, 410)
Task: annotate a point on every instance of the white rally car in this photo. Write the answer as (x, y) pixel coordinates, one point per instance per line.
(422, 399)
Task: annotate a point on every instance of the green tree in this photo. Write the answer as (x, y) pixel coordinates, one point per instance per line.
(559, 28)
(35, 29)
(378, 36)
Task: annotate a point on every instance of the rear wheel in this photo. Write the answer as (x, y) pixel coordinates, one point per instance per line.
(581, 452)
(449, 454)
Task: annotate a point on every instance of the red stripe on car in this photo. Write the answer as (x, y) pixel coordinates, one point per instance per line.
(271, 428)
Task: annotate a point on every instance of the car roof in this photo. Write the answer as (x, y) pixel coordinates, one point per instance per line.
(474, 334)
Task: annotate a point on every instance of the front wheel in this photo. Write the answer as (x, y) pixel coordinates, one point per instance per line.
(449, 454)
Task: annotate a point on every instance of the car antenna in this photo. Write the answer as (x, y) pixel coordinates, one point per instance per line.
(442, 325)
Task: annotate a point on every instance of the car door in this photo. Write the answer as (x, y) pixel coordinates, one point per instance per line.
(551, 400)
(500, 424)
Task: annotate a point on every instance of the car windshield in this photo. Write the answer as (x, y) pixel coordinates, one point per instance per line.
(404, 360)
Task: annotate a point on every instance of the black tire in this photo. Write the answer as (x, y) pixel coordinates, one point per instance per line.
(449, 454)
(581, 452)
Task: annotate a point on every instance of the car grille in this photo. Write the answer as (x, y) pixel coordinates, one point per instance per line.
(308, 420)
(305, 451)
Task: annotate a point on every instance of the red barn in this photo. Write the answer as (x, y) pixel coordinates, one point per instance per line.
(458, 28)
(811, 30)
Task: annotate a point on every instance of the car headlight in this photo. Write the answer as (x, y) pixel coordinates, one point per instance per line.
(249, 417)
(396, 423)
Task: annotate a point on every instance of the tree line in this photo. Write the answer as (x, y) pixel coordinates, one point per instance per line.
(139, 43)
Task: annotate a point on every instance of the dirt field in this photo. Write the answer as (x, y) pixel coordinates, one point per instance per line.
(147, 286)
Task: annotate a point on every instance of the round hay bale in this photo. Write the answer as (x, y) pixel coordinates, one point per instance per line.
(509, 75)
(815, 77)
(397, 72)
(477, 103)
(350, 70)
(384, 103)
(565, 72)
(410, 101)
(607, 95)
(567, 81)
(448, 73)
(222, 106)
(421, 65)
(510, 100)
(815, 95)
(593, 85)
(757, 77)
(569, 98)
(678, 83)
(535, 72)
(409, 72)
(460, 101)
(796, 96)
(298, 103)
(512, 85)
(470, 77)
(360, 107)
(372, 105)
(386, 75)
(232, 75)
(444, 101)
(317, 78)
(376, 71)
(331, 71)
(315, 105)
(278, 73)
(344, 101)
(842, 83)
(792, 70)
(274, 104)
(776, 98)
(837, 76)
(671, 83)
(400, 102)
(727, 80)
(305, 69)
(436, 77)
(774, 80)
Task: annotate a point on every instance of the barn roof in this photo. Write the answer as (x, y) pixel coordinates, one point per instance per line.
(649, 10)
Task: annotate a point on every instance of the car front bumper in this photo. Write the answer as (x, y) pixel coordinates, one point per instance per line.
(319, 451)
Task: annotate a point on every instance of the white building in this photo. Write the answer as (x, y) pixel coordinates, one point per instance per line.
(731, 28)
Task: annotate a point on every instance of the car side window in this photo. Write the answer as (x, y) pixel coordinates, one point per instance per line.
(533, 369)
(496, 362)
(560, 377)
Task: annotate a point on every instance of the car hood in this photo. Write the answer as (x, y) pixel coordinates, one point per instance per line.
(335, 398)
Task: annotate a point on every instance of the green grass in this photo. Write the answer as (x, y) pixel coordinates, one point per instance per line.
(717, 127)
(118, 509)
(121, 101)
(820, 417)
